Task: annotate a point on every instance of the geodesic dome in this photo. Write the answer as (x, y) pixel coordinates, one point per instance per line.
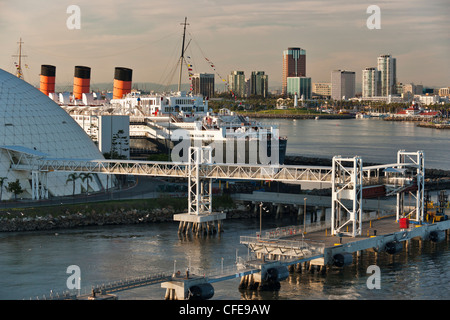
(30, 119)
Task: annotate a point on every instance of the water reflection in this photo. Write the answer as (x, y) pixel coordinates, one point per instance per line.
(374, 140)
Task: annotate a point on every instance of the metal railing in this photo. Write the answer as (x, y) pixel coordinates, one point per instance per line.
(280, 232)
(127, 284)
(106, 288)
(299, 248)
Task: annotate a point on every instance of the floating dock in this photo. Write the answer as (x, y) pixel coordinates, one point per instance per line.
(282, 250)
(382, 235)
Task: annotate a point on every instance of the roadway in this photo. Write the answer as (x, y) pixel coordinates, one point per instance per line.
(143, 188)
(388, 204)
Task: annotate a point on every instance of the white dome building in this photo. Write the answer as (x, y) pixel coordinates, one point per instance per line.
(30, 120)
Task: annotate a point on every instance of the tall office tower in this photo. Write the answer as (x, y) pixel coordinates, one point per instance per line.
(388, 73)
(294, 65)
(300, 86)
(259, 84)
(236, 83)
(399, 88)
(342, 84)
(371, 85)
(248, 87)
(203, 83)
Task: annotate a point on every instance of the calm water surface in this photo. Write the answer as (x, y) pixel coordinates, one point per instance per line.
(34, 263)
(373, 139)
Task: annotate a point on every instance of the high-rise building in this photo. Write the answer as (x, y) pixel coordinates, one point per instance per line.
(248, 87)
(342, 84)
(388, 74)
(412, 89)
(236, 83)
(444, 92)
(419, 89)
(259, 84)
(371, 85)
(300, 86)
(203, 83)
(294, 65)
(321, 89)
(399, 88)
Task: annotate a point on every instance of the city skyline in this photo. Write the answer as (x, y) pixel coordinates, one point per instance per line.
(238, 35)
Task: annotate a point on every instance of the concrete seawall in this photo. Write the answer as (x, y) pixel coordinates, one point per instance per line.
(296, 116)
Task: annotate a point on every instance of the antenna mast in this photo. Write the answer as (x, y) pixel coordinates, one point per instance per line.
(182, 52)
(19, 73)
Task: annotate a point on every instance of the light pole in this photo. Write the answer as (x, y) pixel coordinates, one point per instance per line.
(304, 215)
(260, 219)
(174, 267)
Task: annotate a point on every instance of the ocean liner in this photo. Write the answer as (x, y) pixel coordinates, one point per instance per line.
(164, 119)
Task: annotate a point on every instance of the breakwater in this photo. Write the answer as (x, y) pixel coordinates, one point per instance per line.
(434, 125)
(402, 119)
(297, 116)
(25, 220)
(421, 122)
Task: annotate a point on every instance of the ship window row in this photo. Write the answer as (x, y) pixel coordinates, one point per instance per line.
(85, 118)
(183, 101)
(149, 102)
(184, 109)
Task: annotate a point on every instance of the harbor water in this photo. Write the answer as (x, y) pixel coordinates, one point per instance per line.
(374, 140)
(33, 264)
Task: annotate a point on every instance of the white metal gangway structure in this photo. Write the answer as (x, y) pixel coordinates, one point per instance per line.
(349, 178)
(346, 181)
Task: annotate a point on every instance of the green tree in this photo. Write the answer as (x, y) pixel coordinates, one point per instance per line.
(15, 187)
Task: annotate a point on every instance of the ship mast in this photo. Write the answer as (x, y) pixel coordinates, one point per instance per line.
(19, 72)
(182, 52)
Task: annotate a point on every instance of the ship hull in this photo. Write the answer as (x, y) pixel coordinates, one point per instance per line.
(242, 152)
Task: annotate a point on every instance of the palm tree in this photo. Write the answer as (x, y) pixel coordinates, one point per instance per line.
(86, 176)
(72, 178)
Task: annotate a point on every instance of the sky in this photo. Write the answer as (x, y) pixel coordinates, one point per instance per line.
(246, 35)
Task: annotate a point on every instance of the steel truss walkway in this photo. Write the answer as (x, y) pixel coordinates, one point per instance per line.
(347, 177)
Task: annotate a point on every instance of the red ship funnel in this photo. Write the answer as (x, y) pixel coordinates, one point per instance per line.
(81, 81)
(122, 82)
(47, 79)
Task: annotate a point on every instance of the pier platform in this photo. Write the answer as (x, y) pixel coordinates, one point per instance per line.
(198, 223)
(187, 287)
(380, 235)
